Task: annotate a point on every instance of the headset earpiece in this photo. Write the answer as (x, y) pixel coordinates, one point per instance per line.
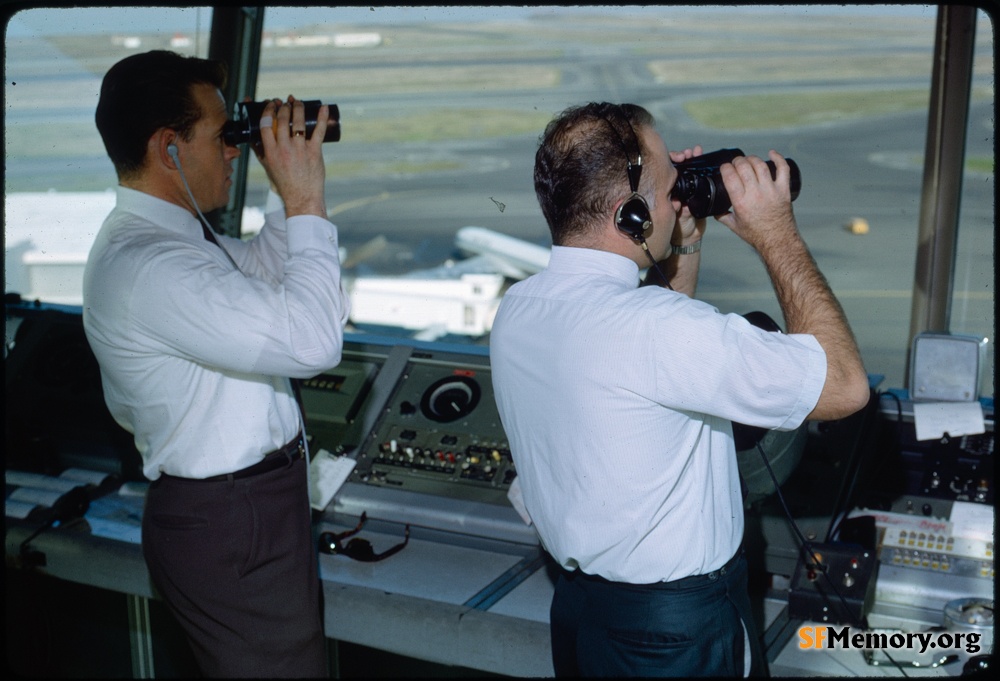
(633, 218)
(172, 151)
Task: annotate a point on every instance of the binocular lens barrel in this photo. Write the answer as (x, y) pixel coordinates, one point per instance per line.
(246, 126)
(700, 187)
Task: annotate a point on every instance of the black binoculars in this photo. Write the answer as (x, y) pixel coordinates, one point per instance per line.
(700, 187)
(246, 126)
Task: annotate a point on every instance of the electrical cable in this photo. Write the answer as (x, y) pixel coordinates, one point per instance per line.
(656, 265)
(174, 154)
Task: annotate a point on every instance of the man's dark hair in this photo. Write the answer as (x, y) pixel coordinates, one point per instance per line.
(580, 165)
(146, 92)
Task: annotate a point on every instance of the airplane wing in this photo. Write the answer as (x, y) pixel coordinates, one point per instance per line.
(458, 297)
(510, 256)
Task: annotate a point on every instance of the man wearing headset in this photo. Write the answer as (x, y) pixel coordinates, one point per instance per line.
(196, 336)
(618, 399)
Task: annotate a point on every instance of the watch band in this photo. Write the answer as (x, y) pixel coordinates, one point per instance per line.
(686, 250)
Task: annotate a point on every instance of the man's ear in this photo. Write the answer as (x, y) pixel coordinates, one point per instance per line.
(162, 147)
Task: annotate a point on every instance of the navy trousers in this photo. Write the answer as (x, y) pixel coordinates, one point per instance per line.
(235, 562)
(690, 627)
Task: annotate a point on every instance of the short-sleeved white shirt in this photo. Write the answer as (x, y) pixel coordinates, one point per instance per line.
(618, 403)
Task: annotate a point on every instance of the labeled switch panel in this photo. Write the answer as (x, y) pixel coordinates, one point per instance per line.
(440, 433)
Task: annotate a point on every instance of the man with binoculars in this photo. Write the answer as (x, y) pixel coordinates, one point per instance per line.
(618, 399)
(197, 335)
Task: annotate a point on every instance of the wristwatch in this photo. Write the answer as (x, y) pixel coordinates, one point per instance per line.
(686, 250)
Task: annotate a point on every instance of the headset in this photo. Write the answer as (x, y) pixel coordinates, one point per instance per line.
(632, 217)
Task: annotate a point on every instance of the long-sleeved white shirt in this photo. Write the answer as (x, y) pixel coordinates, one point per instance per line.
(195, 354)
(618, 402)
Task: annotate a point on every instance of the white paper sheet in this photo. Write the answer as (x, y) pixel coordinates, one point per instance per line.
(933, 419)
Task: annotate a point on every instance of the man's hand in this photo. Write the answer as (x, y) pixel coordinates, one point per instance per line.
(762, 206)
(294, 164)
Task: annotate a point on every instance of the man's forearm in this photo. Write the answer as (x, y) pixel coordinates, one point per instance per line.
(810, 307)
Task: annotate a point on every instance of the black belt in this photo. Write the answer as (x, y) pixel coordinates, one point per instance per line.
(272, 461)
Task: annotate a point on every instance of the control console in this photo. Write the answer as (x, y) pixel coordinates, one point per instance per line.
(422, 427)
(440, 433)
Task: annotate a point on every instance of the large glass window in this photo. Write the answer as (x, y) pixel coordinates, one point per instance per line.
(441, 109)
(58, 181)
(973, 307)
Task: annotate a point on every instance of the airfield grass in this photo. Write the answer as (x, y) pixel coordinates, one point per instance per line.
(778, 110)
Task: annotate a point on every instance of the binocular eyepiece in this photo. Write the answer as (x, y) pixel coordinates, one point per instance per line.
(700, 187)
(246, 126)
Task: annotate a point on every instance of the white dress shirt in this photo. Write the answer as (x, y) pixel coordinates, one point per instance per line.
(618, 403)
(195, 355)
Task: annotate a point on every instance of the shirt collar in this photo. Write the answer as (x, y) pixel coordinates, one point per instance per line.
(573, 260)
(162, 213)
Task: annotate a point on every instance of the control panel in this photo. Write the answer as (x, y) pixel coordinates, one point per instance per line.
(938, 551)
(955, 468)
(337, 402)
(933, 508)
(422, 427)
(440, 433)
(960, 469)
(932, 551)
(952, 538)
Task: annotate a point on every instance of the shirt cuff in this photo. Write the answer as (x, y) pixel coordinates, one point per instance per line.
(311, 231)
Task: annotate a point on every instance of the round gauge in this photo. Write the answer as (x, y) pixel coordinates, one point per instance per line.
(450, 398)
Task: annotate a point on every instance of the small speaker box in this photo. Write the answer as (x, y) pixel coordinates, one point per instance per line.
(835, 584)
(945, 368)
